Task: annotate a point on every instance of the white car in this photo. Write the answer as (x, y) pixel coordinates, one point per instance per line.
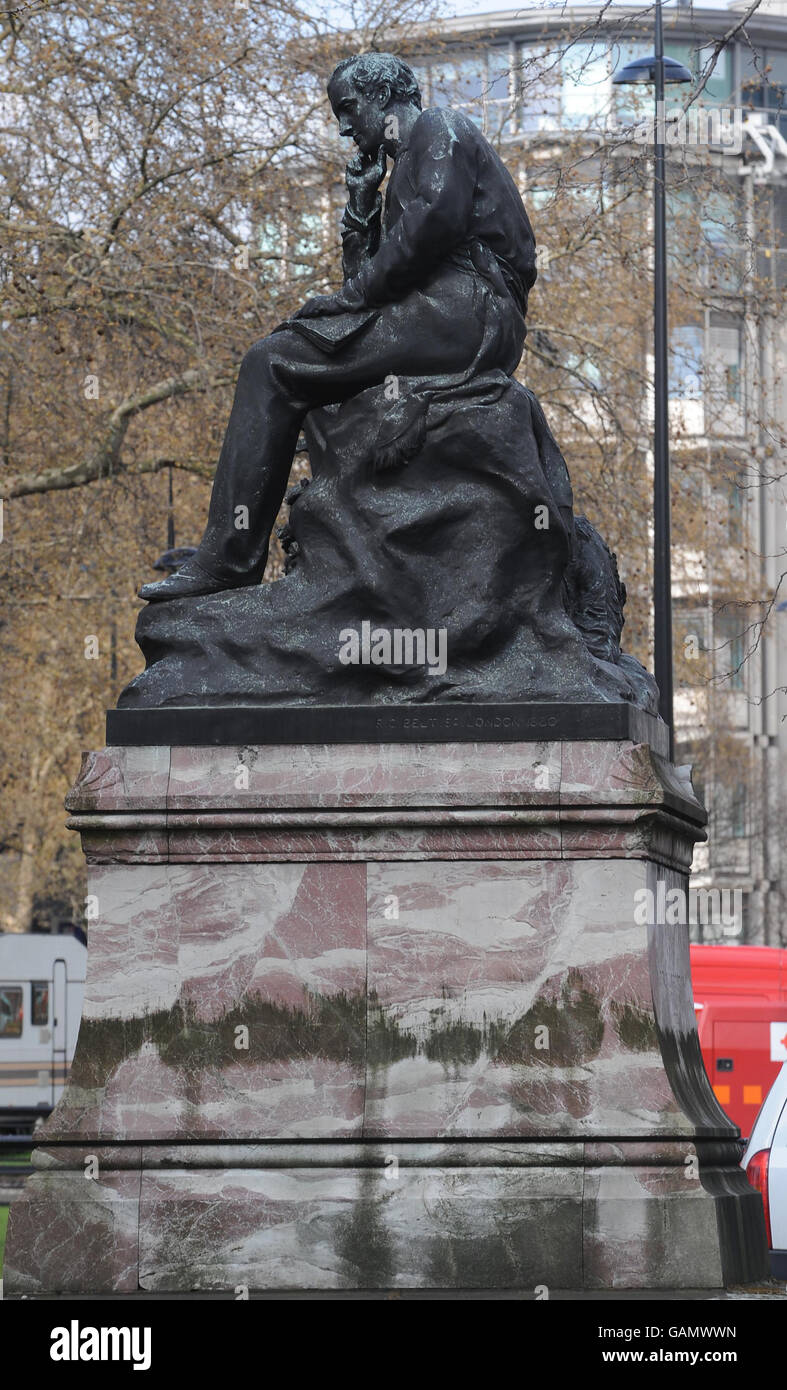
(765, 1161)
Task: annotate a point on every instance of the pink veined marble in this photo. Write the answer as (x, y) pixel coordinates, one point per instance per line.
(384, 1016)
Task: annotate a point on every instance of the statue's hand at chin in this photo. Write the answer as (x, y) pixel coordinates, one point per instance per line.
(365, 173)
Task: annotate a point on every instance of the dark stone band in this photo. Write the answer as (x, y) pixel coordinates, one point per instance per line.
(194, 726)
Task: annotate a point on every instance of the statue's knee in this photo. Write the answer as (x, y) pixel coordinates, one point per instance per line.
(257, 360)
(273, 363)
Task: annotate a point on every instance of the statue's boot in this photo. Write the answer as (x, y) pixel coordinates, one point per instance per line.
(251, 477)
(190, 580)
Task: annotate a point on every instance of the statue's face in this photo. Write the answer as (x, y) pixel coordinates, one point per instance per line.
(360, 115)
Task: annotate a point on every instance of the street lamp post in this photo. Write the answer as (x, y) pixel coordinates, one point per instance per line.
(659, 70)
(174, 556)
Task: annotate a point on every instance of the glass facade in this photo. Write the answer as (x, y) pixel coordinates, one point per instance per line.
(764, 83)
(535, 87)
(586, 86)
(481, 84)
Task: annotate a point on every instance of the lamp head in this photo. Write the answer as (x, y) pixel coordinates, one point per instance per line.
(644, 70)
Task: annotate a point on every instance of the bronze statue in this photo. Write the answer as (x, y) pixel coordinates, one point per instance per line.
(439, 499)
(442, 293)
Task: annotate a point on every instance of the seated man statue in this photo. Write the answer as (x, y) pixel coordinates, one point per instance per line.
(439, 507)
(445, 272)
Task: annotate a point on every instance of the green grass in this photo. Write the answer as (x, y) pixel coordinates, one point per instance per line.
(9, 1158)
(3, 1226)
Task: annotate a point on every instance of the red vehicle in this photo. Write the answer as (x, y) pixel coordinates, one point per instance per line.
(740, 998)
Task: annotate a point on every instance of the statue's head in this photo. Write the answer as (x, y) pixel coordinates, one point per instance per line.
(363, 91)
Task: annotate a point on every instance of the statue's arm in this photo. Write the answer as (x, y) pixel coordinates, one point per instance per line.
(362, 215)
(432, 224)
(360, 238)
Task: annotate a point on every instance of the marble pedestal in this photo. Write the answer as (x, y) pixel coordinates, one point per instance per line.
(388, 1016)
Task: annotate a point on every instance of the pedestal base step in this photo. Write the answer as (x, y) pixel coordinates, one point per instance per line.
(361, 1216)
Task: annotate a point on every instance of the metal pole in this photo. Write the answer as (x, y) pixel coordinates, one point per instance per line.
(170, 515)
(662, 586)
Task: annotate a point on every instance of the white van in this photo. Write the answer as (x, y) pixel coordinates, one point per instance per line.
(42, 983)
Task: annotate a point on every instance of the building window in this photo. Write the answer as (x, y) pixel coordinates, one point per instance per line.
(685, 373)
(728, 495)
(707, 363)
(478, 84)
(738, 811)
(685, 53)
(735, 513)
(690, 659)
(730, 811)
(690, 633)
(723, 381)
(459, 84)
(720, 218)
(39, 1014)
(764, 83)
(499, 76)
(10, 1011)
(306, 240)
(705, 239)
(582, 373)
(718, 87)
(730, 646)
(540, 89)
(586, 86)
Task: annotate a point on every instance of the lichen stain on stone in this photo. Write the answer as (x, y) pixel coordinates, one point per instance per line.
(102, 1045)
(575, 1029)
(468, 1254)
(456, 1044)
(635, 1027)
(386, 1042)
(327, 1026)
(361, 1237)
(354, 1029)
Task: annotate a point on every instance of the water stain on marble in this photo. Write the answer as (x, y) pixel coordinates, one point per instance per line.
(329, 1026)
(635, 1027)
(356, 1029)
(362, 1238)
(574, 1023)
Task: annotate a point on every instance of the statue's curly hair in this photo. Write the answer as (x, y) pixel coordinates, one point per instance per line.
(369, 70)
